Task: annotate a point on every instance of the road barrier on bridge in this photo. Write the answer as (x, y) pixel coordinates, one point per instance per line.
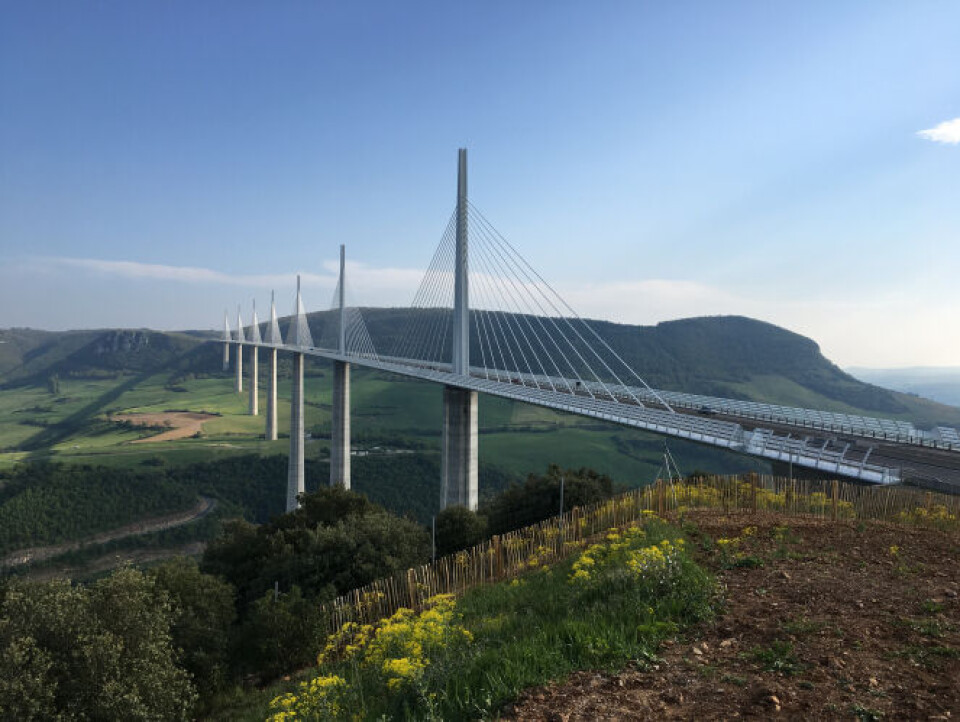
(510, 555)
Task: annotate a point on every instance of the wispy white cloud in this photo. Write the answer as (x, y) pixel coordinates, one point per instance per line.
(947, 132)
(186, 274)
(373, 286)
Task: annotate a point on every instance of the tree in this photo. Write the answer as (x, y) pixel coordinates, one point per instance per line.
(101, 652)
(459, 528)
(205, 613)
(539, 497)
(336, 542)
(282, 632)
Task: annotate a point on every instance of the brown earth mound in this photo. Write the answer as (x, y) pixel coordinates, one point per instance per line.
(181, 424)
(823, 620)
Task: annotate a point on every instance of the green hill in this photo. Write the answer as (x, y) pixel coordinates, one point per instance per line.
(729, 356)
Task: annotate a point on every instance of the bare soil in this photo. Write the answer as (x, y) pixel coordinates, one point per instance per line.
(180, 424)
(822, 620)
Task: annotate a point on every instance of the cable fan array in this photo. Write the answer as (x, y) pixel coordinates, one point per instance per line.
(521, 329)
(355, 337)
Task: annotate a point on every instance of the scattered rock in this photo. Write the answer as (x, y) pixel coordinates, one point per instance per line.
(671, 696)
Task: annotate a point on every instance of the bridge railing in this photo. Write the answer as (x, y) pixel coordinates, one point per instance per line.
(510, 555)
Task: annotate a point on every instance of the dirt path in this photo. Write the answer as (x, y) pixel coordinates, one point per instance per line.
(112, 561)
(822, 621)
(203, 507)
(182, 424)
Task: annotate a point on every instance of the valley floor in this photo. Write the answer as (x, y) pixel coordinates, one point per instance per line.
(823, 620)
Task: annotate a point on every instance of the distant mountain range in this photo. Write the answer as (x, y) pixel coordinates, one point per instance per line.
(730, 356)
(939, 384)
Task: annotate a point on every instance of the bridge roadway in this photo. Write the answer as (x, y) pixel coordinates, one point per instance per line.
(622, 405)
(937, 469)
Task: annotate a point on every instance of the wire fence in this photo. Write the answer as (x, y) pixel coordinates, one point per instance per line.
(509, 555)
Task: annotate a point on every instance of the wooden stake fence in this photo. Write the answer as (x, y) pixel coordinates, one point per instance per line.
(508, 555)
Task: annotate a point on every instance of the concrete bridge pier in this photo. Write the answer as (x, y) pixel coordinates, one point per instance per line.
(340, 422)
(271, 434)
(238, 352)
(254, 378)
(226, 357)
(295, 476)
(458, 480)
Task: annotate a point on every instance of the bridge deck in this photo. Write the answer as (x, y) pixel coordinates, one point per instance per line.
(625, 406)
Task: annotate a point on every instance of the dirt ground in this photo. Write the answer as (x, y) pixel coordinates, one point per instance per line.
(822, 620)
(182, 424)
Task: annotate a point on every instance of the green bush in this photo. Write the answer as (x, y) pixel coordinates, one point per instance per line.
(102, 652)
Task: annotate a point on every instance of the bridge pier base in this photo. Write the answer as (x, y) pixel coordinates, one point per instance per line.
(340, 423)
(226, 357)
(254, 385)
(458, 481)
(271, 434)
(295, 476)
(238, 352)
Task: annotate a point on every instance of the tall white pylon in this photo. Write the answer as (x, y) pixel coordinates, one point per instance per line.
(459, 442)
(274, 338)
(461, 278)
(226, 340)
(299, 337)
(299, 332)
(340, 417)
(239, 352)
(254, 368)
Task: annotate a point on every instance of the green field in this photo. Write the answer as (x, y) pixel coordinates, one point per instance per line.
(387, 410)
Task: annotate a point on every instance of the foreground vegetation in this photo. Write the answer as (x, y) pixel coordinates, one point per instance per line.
(252, 609)
(461, 660)
(596, 589)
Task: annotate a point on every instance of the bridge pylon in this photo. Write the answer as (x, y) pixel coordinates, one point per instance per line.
(340, 417)
(239, 352)
(226, 341)
(254, 368)
(459, 471)
(298, 337)
(273, 337)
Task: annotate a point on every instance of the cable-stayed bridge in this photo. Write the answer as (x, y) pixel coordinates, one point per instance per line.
(486, 321)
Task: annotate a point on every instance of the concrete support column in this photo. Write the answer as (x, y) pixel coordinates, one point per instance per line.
(272, 398)
(254, 379)
(239, 354)
(458, 483)
(340, 422)
(295, 474)
(226, 356)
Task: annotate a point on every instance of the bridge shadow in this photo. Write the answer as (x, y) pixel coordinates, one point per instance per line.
(39, 444)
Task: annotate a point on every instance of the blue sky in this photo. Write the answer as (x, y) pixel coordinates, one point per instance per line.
(160, 161)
